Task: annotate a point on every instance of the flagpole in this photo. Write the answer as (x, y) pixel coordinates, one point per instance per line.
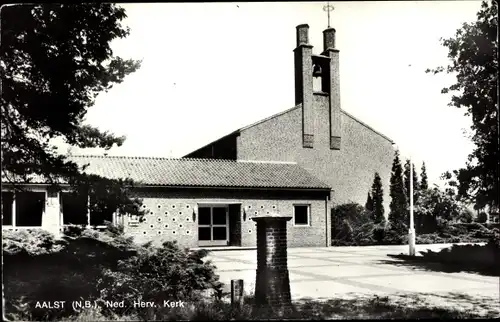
(411, 231)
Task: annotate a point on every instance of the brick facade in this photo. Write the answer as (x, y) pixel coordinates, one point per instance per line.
(317, 134)
(349, 171)
(330, 144)
(171, 214)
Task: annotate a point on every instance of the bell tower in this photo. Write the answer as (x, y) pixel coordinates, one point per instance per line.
(317, 75)
(304, 84)
(332, 83)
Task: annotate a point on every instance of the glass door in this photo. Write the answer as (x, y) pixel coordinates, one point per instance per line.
(213, 225)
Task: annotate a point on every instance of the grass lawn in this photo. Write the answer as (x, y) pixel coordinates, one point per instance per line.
(362, 307)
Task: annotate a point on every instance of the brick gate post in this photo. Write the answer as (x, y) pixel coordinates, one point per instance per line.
(272, 285)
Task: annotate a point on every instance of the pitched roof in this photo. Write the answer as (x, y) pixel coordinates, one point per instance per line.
(236, 132)
(184, 172)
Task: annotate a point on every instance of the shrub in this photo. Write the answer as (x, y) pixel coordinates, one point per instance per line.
(158, 274)
(394, 237)
(477, 258)
(30, 242)
(345, 232)
(98, 265)
(73, 230)
(352, 212)
(363, 235)
(494, 240)
(354, 226)
(456, 229)
(445, 235)
(429, 239)
(378, 233)
(466, 216)
(482, 217)
(474, 226)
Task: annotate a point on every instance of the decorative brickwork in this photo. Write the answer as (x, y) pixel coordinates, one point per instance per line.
(272, 286)
(335, 143)
(243, 206)
(308, 141)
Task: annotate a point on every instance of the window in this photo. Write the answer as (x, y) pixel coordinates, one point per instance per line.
(74, 209)
(213, 225)
(23, 209)
(99, 217)
(301, 215)
(100, 212)
(29, 208)
(7, 202)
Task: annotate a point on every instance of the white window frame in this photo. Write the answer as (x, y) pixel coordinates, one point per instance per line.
(14, 226)
(211, 226)
(308, 215)
(88, 226)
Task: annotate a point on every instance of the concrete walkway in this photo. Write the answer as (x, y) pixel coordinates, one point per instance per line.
(329, 272)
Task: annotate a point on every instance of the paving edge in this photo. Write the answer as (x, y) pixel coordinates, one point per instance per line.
(224, 248)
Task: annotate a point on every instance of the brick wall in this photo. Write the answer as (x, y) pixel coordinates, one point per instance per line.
(172, 215)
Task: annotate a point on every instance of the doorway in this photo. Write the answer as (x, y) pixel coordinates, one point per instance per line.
(213, 225)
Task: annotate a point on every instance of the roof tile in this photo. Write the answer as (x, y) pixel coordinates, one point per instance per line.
(200, 172)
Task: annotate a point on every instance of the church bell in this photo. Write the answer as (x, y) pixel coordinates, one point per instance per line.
(317, 70)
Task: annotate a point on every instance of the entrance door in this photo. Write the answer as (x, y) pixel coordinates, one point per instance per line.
(213, 225)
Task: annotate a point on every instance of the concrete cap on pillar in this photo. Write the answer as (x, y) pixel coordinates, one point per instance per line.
(329, 39)
(302, 35)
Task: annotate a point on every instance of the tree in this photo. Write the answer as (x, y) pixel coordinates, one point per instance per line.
(436, 208)
(473, 53)
(354, 225)
(466, 216)
(416, 185)
(55, 60)
(482, 217)
(369, 202)
(398, 207)
(378, 199)
(423, 178)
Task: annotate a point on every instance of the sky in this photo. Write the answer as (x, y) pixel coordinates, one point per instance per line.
(211, 68)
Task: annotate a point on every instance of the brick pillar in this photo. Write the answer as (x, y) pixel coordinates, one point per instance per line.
(272, 286)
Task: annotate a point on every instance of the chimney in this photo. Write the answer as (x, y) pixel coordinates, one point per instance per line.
(304, 84)
(334, 88)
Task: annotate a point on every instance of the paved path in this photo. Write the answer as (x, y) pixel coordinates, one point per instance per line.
(326, 272)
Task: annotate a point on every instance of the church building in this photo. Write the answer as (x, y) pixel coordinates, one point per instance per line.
(300, 162)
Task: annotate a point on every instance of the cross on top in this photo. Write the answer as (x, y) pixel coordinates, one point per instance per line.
(328, 8)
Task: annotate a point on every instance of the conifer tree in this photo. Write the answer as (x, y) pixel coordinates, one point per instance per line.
(369, 202)
(398, 206)
(416, 185)
(378, 199)
(424, 185)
